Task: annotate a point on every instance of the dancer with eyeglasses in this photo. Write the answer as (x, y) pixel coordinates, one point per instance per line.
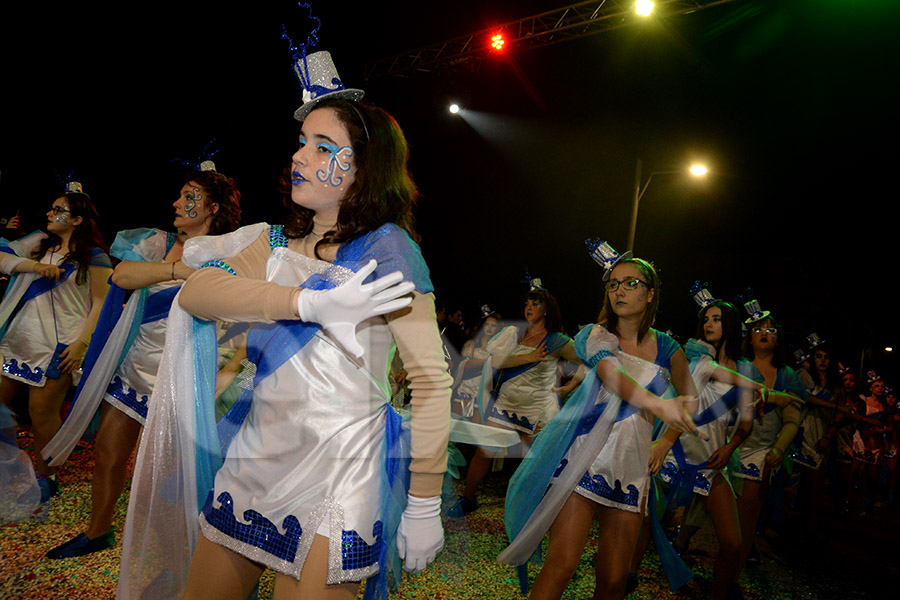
(49, 313)
(122, 381)
(775, 424)
(593, 460)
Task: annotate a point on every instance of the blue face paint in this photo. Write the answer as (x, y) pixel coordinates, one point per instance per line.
(190, 205)
(340, 159)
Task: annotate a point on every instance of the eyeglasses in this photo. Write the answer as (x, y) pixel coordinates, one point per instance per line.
(629, 285)
(769, 330)
(58, 209)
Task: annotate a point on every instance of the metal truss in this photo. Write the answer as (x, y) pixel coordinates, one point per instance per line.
(568, 23)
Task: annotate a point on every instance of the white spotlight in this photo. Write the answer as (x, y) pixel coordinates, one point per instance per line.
(643, 7)
(454, 108)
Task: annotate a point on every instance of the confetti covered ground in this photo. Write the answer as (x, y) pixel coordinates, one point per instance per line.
(850, 558)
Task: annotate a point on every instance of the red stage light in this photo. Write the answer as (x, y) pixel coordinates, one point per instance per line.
(498, 42)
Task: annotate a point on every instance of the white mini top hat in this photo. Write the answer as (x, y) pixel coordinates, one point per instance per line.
(755, 312)
(701, 295)
(814, 341)
(604, 255)
(73, 187)
(319, 80)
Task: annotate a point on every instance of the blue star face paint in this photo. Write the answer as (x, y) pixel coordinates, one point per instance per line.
(340, 160)
(193, 199)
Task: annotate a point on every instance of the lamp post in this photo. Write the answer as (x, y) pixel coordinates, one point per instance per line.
(639, 189)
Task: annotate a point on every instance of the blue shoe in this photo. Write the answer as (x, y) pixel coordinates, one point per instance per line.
(82, 544)
(49, 486)
(462, 507)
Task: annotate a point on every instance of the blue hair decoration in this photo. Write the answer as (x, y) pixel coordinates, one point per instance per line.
(204, 156)
(299, 52)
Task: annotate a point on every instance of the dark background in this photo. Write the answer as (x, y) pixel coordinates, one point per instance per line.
(792, 104)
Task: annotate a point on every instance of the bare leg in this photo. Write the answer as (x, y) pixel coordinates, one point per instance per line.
(619, 531)
(642, 544)
(749, 506)
(44, 404)
(723, 511)
(217, 573)
(478, 469)
(481, 464)
(116, 439)
(568, 536)
(8, 389)
(312, 583)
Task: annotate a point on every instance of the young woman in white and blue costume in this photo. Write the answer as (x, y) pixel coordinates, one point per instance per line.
(726, 385)
(593, 458)
(523, 398)
(310, 485)
(775, 425)
(60, 281)
(124, 357)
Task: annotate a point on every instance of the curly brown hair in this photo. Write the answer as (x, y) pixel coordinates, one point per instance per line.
(223, 191)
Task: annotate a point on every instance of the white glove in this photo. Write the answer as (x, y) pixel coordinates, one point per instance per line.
(341, 309)
(420, 536)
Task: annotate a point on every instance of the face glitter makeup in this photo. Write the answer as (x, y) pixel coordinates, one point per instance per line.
(190, 205)
(339, 160)
(62, 214)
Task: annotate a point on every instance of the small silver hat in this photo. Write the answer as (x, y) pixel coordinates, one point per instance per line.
(604, 255)
(756, 313)
(319, 80)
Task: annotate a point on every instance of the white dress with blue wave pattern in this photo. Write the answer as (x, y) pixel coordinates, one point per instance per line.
(696, 450)
(619, 477)
(131, 386)
(329, 412)
(31, 336)
(526, 400)
(766, 429)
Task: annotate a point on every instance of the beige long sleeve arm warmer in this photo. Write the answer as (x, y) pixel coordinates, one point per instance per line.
(419, 344)
(215, 294)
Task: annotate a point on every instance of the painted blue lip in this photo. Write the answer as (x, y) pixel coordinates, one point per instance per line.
(297, 178)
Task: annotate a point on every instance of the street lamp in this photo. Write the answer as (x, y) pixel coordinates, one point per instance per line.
(697, 170)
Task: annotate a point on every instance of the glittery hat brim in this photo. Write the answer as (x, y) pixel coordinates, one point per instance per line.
(348, 94)
(625, 256)
(765, 315)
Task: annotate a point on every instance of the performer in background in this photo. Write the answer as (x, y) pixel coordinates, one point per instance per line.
(595, 454)
(208, 204)
(49, 313)
(775, 425)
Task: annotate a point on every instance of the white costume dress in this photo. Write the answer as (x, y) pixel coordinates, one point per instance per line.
(336, 424)
(309, 457)
(814, 423)
(724, 398)
(466, 391)
(597, 446)
(526, 400)
(57, 315)
(765, 432)
(619, 476)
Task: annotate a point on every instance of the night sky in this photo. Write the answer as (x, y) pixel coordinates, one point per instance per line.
(791, 104)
